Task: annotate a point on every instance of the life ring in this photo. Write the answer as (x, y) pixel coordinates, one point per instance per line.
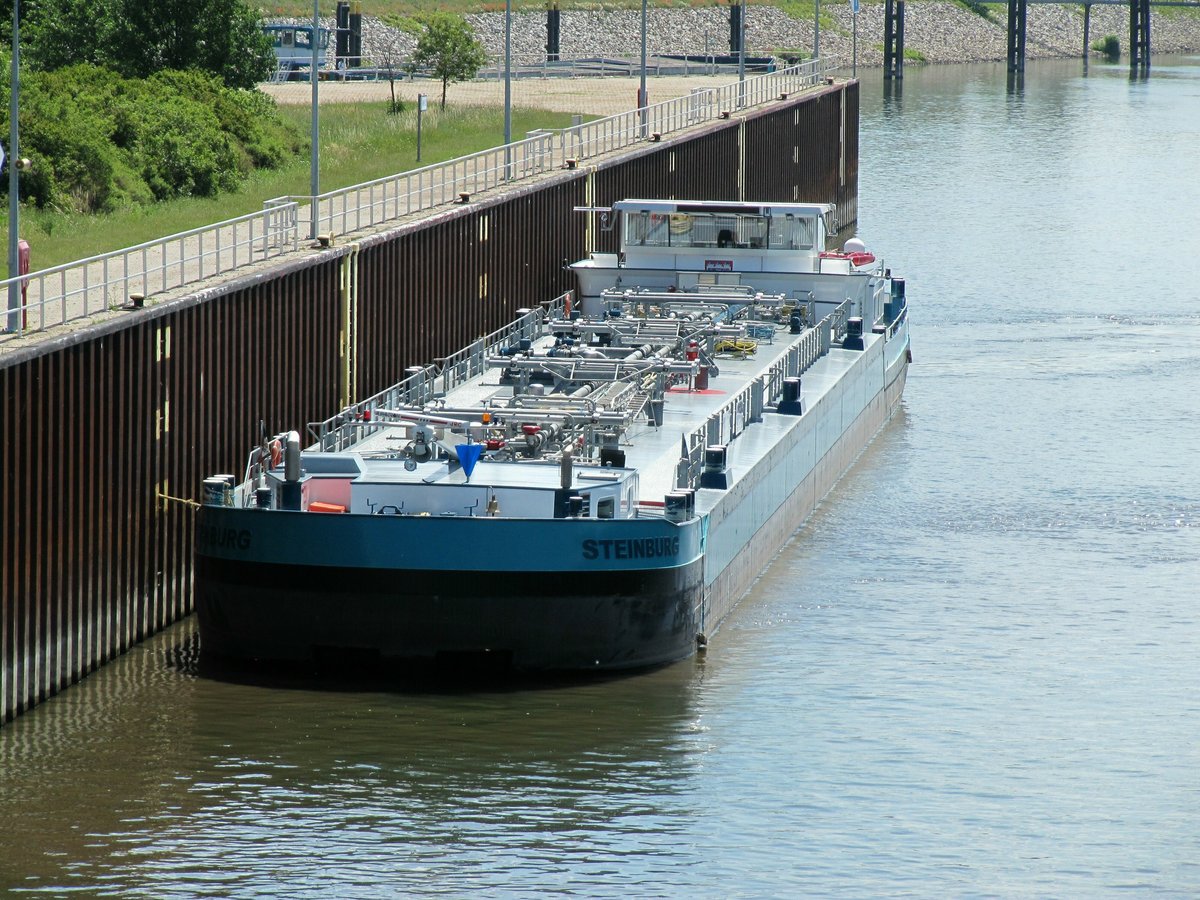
(567, 305)
(276, 453)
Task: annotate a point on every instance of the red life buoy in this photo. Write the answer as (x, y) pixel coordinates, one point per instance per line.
(276, 453)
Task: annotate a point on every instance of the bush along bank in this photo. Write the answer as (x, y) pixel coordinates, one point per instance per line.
(101, 142)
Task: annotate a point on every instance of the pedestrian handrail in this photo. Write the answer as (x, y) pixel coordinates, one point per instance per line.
(126, 277)
(386, 199)
(373, 203)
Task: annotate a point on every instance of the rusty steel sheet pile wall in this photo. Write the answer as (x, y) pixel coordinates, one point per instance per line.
(435, 286)
(110, 430)
(807, 152)
(704, 166)
(103, 428)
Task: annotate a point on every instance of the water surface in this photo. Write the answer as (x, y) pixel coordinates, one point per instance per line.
(972, 673)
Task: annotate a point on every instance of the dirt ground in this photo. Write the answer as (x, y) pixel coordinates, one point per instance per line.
(587, 96)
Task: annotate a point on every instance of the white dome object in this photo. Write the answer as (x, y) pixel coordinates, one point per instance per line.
(854, 245)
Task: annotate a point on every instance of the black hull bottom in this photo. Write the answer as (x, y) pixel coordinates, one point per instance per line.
(523, 622)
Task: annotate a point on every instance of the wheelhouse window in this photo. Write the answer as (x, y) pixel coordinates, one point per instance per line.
(644, 228)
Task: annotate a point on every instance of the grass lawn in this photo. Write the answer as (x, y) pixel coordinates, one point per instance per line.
(359, 142)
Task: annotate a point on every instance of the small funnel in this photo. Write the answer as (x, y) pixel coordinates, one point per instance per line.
(468, 455)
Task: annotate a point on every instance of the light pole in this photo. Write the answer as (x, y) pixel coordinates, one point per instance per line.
(742, 55)
(14, 184)
(507, 72)
(642, 99)
(315, 174)
(817, 29)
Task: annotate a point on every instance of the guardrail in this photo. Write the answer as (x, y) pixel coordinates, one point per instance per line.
(386, 199)
(376, 202)
(423, 384)
(747, 406)
(126, 277)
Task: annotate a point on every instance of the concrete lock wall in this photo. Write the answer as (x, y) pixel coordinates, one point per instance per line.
(109, 429)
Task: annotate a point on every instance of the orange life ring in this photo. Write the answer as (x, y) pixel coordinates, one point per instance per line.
(276, 453)
(567, 305)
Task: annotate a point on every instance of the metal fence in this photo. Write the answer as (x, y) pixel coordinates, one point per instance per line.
(376, 202)
(80, 289)
(747, 406)
(126, 277)
(386, 199)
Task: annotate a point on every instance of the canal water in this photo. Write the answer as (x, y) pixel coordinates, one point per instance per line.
(972, 673)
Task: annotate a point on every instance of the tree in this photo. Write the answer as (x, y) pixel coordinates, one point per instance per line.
(389, 59)
(449, 50)
(140, 37)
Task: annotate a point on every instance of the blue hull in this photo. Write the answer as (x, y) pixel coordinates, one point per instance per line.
(605, 596)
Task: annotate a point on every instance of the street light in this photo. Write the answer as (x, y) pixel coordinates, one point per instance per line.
(742, 55)
(315, 179)
(14, 184)
(642, 99)
(817, 29)
(507, 72)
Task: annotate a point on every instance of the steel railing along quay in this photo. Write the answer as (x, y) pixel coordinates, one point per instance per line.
(76, 290)
(127, 277)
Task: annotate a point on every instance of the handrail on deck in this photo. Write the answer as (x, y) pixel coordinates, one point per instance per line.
(426, 383)
(747, 406)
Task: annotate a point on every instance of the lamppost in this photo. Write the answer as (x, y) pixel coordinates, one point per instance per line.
(742, 55)
(817, 29)
(315, 175)
(507, 72)
(642, 99)
(14, 184)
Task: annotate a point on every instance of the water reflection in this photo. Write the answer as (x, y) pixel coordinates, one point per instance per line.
(156, 786)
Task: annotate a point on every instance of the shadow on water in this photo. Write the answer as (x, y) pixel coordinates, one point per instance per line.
(351, 672)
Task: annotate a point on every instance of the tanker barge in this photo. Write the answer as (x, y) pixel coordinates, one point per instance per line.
(592, 487)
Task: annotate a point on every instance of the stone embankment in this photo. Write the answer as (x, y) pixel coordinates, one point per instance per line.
(940, 32)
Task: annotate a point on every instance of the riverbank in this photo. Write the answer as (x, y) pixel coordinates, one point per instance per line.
(934, 32)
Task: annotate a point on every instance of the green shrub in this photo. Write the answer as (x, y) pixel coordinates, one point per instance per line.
(1109, 46)
(101, 142)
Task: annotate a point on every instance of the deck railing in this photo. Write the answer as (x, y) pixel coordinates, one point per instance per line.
(747, 406)
(80, 289)
(424, 384)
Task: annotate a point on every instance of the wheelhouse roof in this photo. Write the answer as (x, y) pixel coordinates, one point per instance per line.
(721, 207)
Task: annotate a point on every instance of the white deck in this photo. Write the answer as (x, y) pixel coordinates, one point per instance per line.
(653, 452)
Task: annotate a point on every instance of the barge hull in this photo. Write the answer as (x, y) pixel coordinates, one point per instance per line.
(525, 621)
(750, 524)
